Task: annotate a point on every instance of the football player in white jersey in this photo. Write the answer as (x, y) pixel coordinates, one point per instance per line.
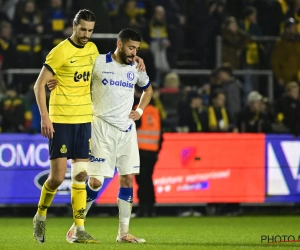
(114, 138)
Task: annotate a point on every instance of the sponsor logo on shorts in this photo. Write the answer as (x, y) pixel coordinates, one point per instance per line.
(136, 166)
(97, 159)
(63, 149)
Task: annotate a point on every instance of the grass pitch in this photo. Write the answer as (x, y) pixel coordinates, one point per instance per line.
(160, 233)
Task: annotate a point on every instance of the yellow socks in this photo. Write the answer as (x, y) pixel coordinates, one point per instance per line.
(46, 198)
(78, 196)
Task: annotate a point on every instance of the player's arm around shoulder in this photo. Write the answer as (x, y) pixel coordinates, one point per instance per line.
(97, 67)
(140, 65)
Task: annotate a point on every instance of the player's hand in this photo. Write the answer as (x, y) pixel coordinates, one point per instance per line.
(134, 115)
(141, 65)
(52, 84)
(47, 129)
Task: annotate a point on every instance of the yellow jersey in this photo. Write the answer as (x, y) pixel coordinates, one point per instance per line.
(71, 65)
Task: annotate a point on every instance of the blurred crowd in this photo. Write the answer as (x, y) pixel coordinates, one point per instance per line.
(172, 31)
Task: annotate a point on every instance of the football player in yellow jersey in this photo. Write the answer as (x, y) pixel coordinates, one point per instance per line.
(68, 123)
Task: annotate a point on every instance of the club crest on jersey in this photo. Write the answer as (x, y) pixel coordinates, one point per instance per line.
(130, 75)
(91, 60)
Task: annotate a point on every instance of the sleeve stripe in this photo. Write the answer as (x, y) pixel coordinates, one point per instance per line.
(49, 68)
(146, 86)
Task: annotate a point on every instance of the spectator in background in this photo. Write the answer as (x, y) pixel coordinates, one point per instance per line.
(9, 8)
(15, 115)
(252, 119)
(57, 23)
(232, 90)
(213, 83)
(167, 124)
(157, 102)
(3, 15)
(101, 9)
(286, 56)
(268, 109)
(288, 109)
(252, 56)
(183, 105)
(234, 42)
(175, 20)
(7, 46)
(195, 117)
(279, 13)
(294, 12)
(28, 25)
(159, 42)
(149, 141)
(218, 118)
(204, 19)
(170, 97)
(129, 16)
(264, 17)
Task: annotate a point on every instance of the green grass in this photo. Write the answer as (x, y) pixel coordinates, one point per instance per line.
(160, 233)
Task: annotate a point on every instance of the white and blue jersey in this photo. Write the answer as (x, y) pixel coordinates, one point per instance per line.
(113, 90)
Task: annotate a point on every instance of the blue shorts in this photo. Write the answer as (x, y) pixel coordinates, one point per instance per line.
(72, 141)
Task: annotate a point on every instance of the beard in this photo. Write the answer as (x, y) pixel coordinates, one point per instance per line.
(124, 57)
(80, 40)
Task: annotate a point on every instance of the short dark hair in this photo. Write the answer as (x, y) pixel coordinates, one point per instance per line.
(129, 34)
(84, 14)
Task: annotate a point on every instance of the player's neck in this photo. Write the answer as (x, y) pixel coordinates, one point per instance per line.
(72, 38)
(116, 56)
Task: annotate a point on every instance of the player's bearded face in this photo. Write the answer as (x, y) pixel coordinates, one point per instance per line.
(83, 32)
(82, 40)
(81, 37)
(126, 58)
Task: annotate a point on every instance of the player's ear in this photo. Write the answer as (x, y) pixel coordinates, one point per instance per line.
(74, 26)
(119, 44)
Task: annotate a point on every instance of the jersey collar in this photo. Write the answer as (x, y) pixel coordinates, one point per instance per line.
(74, 44)
(109, 58)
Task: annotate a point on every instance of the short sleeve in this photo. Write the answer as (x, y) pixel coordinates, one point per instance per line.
(143, 80)
(96, 50)
(55, 59)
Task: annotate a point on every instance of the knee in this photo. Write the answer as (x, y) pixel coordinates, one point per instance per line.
(81, 177)
(55, 181)
(96, 183)
(79, 172)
